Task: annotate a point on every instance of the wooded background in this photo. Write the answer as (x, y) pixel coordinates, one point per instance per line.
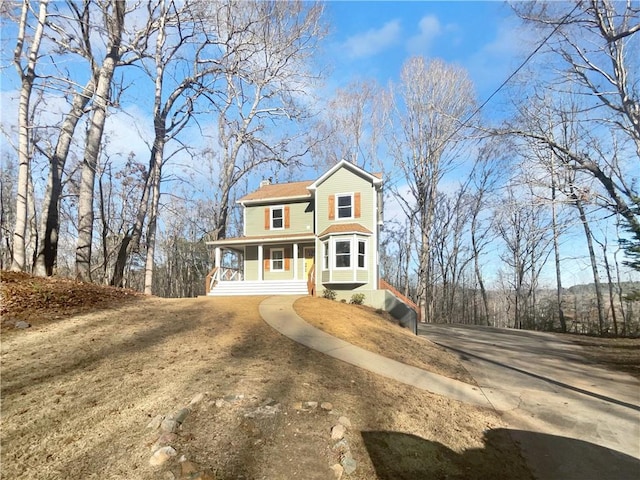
(230, 91)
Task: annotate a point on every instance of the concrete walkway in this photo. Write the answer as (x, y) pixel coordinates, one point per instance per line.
(278, 312)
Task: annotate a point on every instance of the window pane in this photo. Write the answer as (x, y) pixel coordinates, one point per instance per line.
(344, 206)
(276, 218)
(343, 254)
(277, 260)
(361, 253)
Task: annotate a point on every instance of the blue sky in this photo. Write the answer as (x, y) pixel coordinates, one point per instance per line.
(373, 39)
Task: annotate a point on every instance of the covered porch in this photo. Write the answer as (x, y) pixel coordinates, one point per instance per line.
(263, 266)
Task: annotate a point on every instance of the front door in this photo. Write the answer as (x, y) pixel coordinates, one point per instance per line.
(309, 259)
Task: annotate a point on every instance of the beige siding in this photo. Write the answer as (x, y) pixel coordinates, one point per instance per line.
(345, 181)
(251, 263)
(301, 220)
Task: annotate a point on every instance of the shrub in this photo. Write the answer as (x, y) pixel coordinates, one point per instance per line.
(357, 298)
(328, 293)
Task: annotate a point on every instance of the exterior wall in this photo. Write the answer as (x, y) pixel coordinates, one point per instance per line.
(300, 219)
(251, 270)
(251, 263)
(344, 181)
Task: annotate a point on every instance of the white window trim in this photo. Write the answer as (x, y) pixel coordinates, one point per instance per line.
(326, 256)
(358, 241)
(353, 207)
(277, 207)
(271, 263)
(335, 254)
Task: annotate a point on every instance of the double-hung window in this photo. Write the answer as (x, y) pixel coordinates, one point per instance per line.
(277, 218)
(343, 253)
(277, 260)
(362, 253)
(345, 206)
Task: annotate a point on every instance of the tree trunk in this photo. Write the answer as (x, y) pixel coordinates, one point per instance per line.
(556, 248)
(594, 263)
(50, 223)
(92, 146)
(153, 214)
(27, 76)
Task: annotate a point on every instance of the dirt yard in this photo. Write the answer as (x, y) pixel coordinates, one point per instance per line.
(83, 393)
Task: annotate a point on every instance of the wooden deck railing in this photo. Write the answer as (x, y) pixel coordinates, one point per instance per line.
(386, 286)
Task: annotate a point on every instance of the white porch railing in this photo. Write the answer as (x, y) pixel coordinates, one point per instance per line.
(222, 274)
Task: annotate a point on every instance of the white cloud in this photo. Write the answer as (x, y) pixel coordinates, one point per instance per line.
(373, 41)
(430, 28)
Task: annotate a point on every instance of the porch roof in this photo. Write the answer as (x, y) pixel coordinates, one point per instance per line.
(258, 239)
(345, 228)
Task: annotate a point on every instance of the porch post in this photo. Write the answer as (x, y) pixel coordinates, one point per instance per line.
(295, 261)
(217, 257)
(260, 263)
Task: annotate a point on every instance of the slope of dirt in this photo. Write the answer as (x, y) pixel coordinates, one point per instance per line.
(364, 327)
(79, 395)
(38, 300)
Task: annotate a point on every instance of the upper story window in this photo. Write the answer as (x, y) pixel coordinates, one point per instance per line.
(277, 218)
(344, 206)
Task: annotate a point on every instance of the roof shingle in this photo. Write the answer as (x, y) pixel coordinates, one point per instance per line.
(279, 191)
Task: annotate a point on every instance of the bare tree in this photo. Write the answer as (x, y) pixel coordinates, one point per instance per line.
(25, 60)
(594, 51)
(431, 103)
(351, 125)
(114, 15)
(265, 52)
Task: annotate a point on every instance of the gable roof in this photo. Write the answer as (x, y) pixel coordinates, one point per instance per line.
(278, 191)
(375, 179)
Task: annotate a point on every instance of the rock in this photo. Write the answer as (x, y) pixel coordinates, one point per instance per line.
(338, 431)
(155, 422)
(169, 425)
(341, 446)
(297, 406)
(311, 405)
(168, 476)
(344, 421)
(337, 470)
(161, 456)
(180, 416)
(328, 406)
(233, 398)
(22, 325)
(197, 399)
(265, 411)
(220, 403)
(165, 439)
(348, 463)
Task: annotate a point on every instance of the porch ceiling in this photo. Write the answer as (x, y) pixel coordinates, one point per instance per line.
(262, 239)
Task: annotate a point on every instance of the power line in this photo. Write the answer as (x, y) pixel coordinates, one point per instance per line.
(513, 74)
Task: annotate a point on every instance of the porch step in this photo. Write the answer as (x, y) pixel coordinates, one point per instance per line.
(284, 287)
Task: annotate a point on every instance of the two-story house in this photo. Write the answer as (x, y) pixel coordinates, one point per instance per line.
(305, 237)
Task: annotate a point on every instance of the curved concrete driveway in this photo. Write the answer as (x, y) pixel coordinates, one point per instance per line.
(278, 312)
(586, 418)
